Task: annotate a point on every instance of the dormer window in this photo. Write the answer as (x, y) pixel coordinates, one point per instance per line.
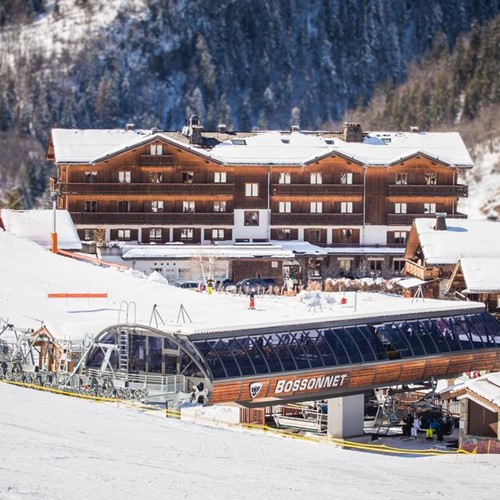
(239, 142)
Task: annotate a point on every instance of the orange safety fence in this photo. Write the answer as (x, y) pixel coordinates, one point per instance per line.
(77, 295)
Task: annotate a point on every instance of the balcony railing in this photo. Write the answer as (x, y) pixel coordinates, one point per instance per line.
(407, 219)
(316, 219)
(144, 188)
(187, 219)
(154, 160)
(428, 190)
(421, 272)
(317, 189)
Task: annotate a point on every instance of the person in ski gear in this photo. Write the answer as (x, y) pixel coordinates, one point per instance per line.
(251, 294)
(415, 427)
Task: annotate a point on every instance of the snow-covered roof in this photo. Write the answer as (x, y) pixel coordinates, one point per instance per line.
(462, 238)
(481, 275)
(189, 251)
(269, 148)
(487, 387)
(410, 282)
(37, 226)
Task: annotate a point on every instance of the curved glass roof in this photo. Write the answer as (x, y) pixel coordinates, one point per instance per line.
(303, 348)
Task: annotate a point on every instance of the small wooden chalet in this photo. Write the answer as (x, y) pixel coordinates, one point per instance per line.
(351, 192)
(479, 413)
(435, 246)
(478, 280)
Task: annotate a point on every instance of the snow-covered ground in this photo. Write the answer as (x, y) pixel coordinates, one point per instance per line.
(54, 446)
(59, 447)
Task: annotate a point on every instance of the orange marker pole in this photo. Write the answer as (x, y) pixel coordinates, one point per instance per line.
(53, 237)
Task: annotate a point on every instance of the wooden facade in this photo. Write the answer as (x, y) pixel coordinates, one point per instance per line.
(353, 379)
(165, 189)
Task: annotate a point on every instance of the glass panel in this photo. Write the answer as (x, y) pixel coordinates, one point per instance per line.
(412, 337)
(364, 347)
(269, 351)
(168, 344)
(297, 349)
(449, 334)
(256, 353)
(241, 356)
(394, 343)
(431, 327)
(459, 326)
(227, 358)
(154, 355)
(374, 343)
(424, 336)
(337, 347)
(312, 344)
(284, 352)
(207, 350)
(138, 353)
(350, 344)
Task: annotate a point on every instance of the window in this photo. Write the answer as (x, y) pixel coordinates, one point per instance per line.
(400, 237)
(90, 177)
(156, 149)
(429, 208)
(124, 176)
(217, 234)
(285, 178)
(397, 267)
(155, 235)
(251, 218)
(315, 235)
(88, 234)
(345, 266)
(156, 177)
(285, 207)
(346, 235)
(187, 177)
(251, 189)
(314, 266)
(346, 178)
(124, 206)
(220, 177)
(430, 179)
(375, 267)
(124, 234)
(316, 207)
(316, 178)
(219, 206)
(186, 233)
(400, 208)
(157, 206)
(91, 206)
(284, 234)
(188, 206)
(402, 179)
(346, 207)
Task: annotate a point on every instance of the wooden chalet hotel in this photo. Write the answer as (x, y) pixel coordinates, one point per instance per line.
(325, 203)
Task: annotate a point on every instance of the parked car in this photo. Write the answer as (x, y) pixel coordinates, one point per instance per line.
(192, 285)
(248, 283)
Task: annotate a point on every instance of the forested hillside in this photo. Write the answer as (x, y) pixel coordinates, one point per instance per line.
(452, 89)
(246, 63)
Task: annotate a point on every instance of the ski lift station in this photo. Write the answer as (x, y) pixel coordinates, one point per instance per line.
(335, 358)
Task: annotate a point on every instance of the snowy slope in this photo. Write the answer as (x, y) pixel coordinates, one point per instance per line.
(58, 447)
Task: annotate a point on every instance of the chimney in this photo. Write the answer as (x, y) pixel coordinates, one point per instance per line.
(294, 128)
(352, 132)
(129, 126)
(440, 222)
(414, 130)
(222, 128)
(194, 131)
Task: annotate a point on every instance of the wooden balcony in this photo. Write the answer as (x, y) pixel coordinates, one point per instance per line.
(407, 219)
(316, 219)
(124, 188)
(426, 190)
(421, 272)
(317, 189)
(157, 160)
(165, 218)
